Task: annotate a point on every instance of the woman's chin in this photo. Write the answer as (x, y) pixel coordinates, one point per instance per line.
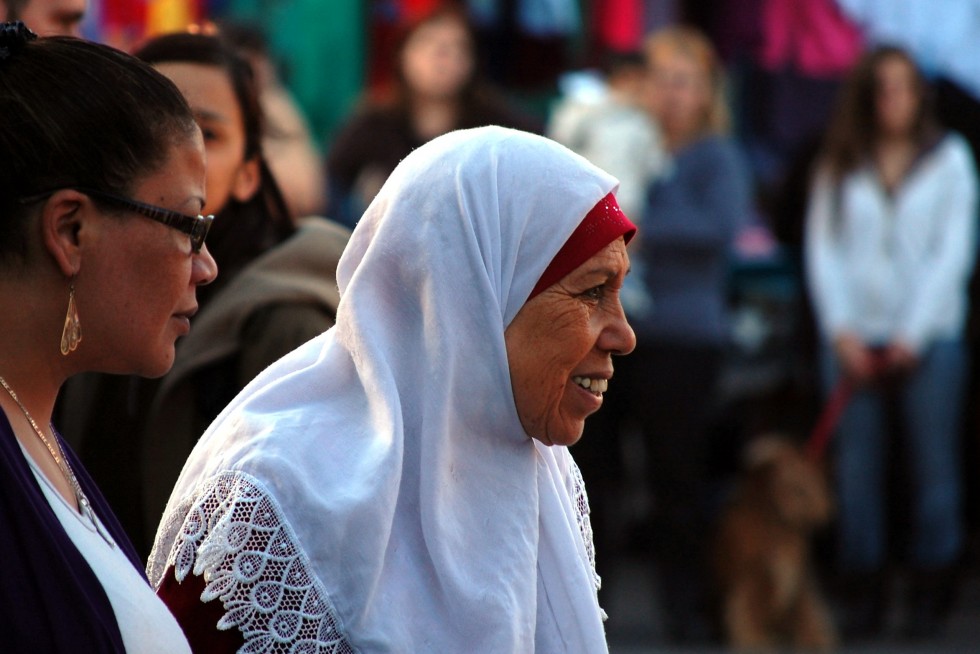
(159, 366)
(566, 434)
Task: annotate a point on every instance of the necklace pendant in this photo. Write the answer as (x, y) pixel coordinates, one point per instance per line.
(85, 508)
(102, 532)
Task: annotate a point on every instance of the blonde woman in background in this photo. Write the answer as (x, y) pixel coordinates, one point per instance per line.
(691, 216)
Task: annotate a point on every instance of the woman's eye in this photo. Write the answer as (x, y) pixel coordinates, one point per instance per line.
(208, 130)
(595, 293)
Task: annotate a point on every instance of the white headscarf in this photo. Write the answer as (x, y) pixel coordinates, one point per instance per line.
(387, 455)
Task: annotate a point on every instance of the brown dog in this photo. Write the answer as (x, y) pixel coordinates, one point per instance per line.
(769, 596)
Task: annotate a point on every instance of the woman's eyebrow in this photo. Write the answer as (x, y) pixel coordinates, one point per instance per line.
(606, 271)
(207, 114)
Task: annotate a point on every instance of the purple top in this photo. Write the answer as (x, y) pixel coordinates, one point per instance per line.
(52, 601)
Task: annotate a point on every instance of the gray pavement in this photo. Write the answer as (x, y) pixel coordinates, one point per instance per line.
(634, 625)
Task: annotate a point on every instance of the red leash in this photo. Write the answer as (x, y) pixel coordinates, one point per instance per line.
(816, 445)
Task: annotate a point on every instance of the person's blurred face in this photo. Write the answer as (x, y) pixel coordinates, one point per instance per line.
(137, 282)
(53, 17)
(209, 92)
(679, 95)
(629, 82)
(897, 100)
(437, 59)
(560, 347)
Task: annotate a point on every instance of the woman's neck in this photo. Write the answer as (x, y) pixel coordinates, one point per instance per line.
(31, 402)
(27, 399)
(30, 358)
(893, 157)
(892, 140)
(432, 117)
(675, 141)
(35, 301)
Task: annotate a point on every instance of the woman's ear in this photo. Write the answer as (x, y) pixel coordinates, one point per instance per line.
(247, 180)
(63, 218)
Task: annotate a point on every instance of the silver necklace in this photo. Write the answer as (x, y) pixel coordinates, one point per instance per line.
(84, 506)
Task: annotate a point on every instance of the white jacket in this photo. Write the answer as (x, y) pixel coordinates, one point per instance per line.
(895, 266)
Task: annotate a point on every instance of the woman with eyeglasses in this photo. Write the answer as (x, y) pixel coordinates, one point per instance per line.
(277, 290)
(101, 256)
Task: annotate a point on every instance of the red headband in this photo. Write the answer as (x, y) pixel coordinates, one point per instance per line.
(601, 226)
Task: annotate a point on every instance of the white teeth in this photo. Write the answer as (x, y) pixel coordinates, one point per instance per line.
(593, 385)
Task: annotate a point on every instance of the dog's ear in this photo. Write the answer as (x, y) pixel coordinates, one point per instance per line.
(763, 451)
(760, 463)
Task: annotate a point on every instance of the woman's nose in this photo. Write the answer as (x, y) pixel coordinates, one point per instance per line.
(628, 337)
(205, 268)
(618, 335)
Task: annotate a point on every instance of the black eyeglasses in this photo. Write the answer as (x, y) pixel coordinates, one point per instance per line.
(194, 226)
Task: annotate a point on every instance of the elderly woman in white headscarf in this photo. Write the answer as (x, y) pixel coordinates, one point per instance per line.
(401, 483)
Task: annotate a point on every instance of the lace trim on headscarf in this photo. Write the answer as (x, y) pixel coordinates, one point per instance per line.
(235, 535)
(582, 511)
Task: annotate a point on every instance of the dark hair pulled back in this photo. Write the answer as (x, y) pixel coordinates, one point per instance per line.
(13, 37)
(76, 113)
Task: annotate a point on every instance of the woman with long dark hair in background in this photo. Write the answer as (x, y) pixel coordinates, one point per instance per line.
(890, 242)
(437, 88)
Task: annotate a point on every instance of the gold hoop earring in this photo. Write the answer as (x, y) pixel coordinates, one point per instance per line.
(71, 335)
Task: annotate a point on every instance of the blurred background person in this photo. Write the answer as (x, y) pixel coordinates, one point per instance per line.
(437, 89)
(600, 117)
(690, 219)
(278, 291)
(287, 144)
(945, 39)
(220, 87)
(46, 17)
(890, 243)
(100, 191)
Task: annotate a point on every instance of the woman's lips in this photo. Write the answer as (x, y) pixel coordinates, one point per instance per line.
(595, 385)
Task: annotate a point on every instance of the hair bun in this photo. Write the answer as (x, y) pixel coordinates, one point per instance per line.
(13, 37)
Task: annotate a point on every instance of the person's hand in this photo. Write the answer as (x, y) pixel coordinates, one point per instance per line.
(855, 357)
(900, 358)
